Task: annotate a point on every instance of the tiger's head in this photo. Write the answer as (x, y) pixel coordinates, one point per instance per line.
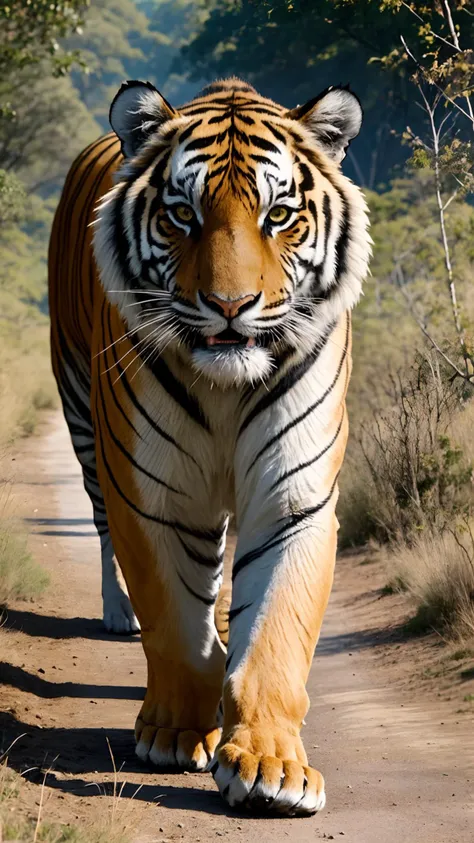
(231, 235)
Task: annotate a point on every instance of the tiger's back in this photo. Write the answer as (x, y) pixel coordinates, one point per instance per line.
(74, 288)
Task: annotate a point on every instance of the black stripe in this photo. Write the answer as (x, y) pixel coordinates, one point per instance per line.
(280, 536)
(306, 464)
(208, 601)
(344, 234)
(141, 409)
(244, 118)
(259, 109)
(307, 182)
(208, 535)
(309, 410)
(219, 118)
(189, 130)
(279, 135)
(201, 143)
(286, 382)
(234, 613)
(175, 389)
(107, 342)
(124, 451)
(343, 240)
(327, 223)
(206, 561)
(198, 159)
(262, 159)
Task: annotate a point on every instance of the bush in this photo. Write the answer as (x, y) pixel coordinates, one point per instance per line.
(404, 472)
(437, 571)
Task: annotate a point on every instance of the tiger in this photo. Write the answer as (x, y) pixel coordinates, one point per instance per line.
(203, 265)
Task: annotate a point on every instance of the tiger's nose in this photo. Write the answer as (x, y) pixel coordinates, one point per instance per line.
(229, 307)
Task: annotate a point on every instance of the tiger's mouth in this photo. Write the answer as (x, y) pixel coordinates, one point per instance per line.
(229, 341)
(229, 338)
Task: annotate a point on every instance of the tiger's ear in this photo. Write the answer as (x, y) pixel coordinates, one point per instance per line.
(334, 118)
(137, 111)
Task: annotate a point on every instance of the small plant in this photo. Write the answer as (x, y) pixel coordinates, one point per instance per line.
(407, 473)
(21, 578)
(21, 827)
(437, 572)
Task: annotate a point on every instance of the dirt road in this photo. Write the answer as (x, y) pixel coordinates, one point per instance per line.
(395, 770)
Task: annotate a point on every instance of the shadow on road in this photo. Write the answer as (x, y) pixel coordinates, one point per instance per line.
(60, 524)
(48, 626)
(19, 678)
(76, 752)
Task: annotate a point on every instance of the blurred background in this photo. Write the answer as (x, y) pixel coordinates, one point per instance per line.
(408, 479)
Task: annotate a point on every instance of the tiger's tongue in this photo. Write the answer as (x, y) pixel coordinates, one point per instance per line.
(218, 341)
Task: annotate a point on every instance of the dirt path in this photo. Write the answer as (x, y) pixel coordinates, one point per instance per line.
(395, 771)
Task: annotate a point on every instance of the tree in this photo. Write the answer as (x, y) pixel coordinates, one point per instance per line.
(177, 23)
(30, 31)
(443, 75)
(12, 198)
(292, 50)
(50, 126)
(116, 43)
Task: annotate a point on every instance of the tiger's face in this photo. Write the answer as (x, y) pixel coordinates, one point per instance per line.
(231, 236)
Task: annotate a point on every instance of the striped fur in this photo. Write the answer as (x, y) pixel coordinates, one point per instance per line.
(176, 428)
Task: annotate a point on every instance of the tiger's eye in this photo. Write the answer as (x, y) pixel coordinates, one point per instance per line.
(183, 212)
(278, 214)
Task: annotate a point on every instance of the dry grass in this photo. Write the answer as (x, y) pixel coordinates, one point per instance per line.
(21, 578)
(410, 467)
(437, 573)
(26, 381)
(408, 483)
(17, 823)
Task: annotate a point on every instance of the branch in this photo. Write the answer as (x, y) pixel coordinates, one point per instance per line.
(421, 324)
(469, 115)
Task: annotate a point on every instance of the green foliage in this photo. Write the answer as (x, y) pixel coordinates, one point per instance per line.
(49, 127)
(30, 30)
(408, 260)
(118, 42)
(176, 23)
(292, 50)
(12, 198)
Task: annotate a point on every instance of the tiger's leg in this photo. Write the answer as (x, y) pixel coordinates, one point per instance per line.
(118, 614)
(174, 597)
(74, 389)
(282, 578)
(281, 589)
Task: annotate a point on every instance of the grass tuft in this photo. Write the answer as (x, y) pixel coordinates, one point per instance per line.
(18, 824)
(439, 578)
(21, 578)
(26, 382)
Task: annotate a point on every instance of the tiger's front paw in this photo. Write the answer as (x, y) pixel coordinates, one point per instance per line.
(266, 783)
(183, 748)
